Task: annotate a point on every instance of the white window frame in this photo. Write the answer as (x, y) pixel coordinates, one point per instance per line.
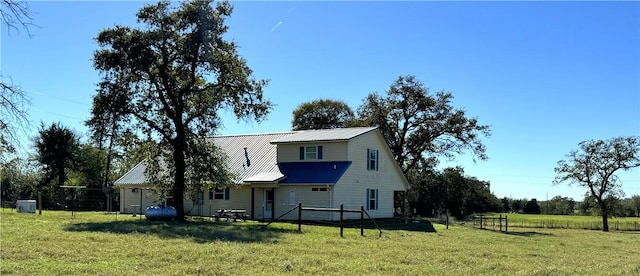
(373, 160)
(311, 153)
(219, 194)
(372, 199)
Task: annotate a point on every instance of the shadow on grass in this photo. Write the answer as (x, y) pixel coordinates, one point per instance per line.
(200, 231)
(521, 233)
(384, 224)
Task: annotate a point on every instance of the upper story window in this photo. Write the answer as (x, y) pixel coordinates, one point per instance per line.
(372, 160)
(311, 153)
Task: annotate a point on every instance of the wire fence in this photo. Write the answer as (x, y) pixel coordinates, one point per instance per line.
(588, 225)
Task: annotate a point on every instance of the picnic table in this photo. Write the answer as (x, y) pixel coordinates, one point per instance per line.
(234, 214)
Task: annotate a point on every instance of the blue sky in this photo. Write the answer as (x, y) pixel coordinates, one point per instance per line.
(543, 75)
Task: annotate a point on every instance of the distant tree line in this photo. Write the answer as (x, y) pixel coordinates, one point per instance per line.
(559, 205)
(436, 193)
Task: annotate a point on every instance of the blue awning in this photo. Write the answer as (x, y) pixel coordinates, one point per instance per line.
(313, 172)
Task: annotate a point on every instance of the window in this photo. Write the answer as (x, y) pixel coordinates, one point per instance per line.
(219, 193)
(292, 197)
(311, 153)
(372, 199)
(318, 189)
(372, 160)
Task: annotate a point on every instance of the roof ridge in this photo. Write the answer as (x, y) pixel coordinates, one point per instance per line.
(253, 134)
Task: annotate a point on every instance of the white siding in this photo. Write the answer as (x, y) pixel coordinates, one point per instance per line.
(304, 195)
(352, 187)
(239, 198)
(331, 151)
(142, 197)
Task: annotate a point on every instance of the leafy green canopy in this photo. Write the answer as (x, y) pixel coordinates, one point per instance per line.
(57, 149)
(418, 124)
(322, 114)
(168, 81)
(594, 167)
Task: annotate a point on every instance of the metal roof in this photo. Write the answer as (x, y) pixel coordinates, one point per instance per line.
(259, 163)
(253, 157)
(135, 176)
(321, 135)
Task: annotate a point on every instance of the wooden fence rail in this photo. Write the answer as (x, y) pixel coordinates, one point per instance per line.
(485, 222)
(342, 210)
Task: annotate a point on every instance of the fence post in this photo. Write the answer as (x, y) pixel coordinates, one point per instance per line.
(500, 222)
(361, 220)
(341, 218)
(506, 224)
(299, 216)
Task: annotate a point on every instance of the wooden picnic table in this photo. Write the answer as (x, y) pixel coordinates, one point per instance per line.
(234, 214)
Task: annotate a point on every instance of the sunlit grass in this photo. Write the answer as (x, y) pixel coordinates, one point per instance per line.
(570, 222)
(98, 244)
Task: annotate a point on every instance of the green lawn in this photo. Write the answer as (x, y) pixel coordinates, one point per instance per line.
(570, 222)
(98, 244)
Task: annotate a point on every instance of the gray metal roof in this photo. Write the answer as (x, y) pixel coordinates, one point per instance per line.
(321, 135)
(135, 176)
(262, 155)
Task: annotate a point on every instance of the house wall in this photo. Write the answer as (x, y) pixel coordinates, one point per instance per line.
(142, 197)
(239, 198)
(331, 151)
(305, 195)
(351, 188)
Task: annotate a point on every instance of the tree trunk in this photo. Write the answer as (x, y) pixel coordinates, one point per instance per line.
(178, 187)
(605, 217)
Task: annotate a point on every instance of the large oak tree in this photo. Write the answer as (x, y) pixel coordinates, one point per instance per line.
(167, 80)
(322, 114)
(418, 124)
(594, 167)
(14, 15)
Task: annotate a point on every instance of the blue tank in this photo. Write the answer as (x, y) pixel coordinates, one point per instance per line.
(160, 212)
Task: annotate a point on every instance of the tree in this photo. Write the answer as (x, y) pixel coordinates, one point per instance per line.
(517, 204)
(57, 151)
(13, 100)
(19, 178)
(559, 205)
(16, 15)
(89, 171)
(322, 114)
(416, 123)
(594, 167)
(167, 83)
(531, 207)
(635, 203)
(506, 207)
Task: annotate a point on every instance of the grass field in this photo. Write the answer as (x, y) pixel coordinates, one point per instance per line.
(570, 222)
(97, 244)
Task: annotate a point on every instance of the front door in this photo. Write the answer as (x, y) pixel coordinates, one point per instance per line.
(268, 203)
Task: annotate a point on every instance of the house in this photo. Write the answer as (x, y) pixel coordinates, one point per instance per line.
(275, 171)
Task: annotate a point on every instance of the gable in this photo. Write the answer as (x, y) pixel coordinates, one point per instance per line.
(135, 176)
